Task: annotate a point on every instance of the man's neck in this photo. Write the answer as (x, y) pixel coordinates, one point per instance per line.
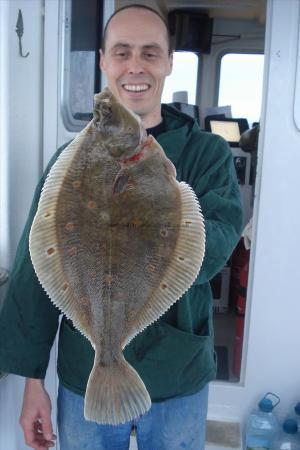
(152, 120)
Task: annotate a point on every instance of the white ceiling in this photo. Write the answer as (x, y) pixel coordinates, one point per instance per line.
(235, 9)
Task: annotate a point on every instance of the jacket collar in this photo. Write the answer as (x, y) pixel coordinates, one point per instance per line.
(178, 128)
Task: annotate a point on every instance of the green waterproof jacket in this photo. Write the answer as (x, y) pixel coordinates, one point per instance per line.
(175, 355)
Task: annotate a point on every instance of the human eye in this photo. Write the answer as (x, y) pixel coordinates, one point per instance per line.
(151, 52)
(151, 55)
(120, 53)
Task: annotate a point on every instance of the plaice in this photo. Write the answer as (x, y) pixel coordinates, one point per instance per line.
(116, 240)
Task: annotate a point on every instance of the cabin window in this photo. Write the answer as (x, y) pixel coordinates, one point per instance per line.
(82, 33)
(183, 77)
(240, 84)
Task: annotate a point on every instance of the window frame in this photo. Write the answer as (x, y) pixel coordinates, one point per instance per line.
(198, 74)
(230, 51)
(70, 123)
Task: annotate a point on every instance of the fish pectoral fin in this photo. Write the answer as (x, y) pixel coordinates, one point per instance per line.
(120, 183)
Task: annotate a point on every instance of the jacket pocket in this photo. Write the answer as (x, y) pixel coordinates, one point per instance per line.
(172, 362)
(165, 341)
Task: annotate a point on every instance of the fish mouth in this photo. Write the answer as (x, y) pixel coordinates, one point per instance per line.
(136, 88)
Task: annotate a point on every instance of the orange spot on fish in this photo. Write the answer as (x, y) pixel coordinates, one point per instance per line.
(130, 185)
(47, 214)
(108, 279)
(69, 226)
(50, 251)
(91, 204)
(65, 286)
(136, 222)
(164, 286)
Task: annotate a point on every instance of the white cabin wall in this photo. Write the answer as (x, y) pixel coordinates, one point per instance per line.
(22, 110)
(21, 161)
(21, 151)
(271, 361)
(275, 307)
(4, 137)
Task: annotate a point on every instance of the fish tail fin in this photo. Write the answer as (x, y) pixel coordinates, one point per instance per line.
(115, 394)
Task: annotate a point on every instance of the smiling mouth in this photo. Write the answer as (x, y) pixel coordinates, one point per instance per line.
(136, 87)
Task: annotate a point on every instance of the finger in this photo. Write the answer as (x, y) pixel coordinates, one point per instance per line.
(38, 446)
(29, 434)
(47, 427)
(40, 438)
(41, 441)
(39, 430)
(37, 427)
(41, 444)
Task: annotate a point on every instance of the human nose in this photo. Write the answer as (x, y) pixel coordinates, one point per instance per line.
(135, 65)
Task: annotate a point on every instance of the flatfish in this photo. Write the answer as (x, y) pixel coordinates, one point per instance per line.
(116, 240)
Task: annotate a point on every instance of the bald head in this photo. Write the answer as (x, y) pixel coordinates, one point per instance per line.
(132, 9)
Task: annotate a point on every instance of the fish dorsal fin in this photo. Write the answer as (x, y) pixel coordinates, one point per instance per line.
(43, 240)
(184, 266)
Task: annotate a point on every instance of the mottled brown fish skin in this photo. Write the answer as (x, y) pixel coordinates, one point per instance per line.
(115, 242)
(115, 247)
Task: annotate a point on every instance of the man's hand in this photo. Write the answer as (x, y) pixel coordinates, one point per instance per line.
(36, 416)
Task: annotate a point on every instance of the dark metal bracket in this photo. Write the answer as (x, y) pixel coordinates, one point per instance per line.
(20, 31)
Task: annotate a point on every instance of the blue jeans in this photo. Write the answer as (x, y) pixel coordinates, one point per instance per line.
(173, 424)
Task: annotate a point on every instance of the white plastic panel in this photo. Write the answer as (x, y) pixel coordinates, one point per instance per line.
(297, 84)
(21, 81)
(269, 362)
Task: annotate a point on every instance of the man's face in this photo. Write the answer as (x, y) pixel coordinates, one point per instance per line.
(136, 61)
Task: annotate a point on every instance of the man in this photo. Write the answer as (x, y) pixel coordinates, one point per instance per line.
(174, 356)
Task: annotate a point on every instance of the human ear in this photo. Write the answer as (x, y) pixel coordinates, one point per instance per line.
(102, 60)
(170, 64)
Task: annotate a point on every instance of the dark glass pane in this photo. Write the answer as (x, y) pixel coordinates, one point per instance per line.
(84, 72)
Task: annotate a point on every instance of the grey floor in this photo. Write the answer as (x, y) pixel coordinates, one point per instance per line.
(219, 436)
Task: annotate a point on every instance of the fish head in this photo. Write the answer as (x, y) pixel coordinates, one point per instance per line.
(120, 128)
